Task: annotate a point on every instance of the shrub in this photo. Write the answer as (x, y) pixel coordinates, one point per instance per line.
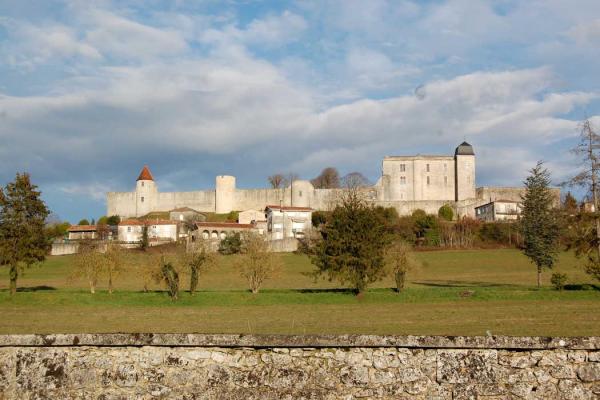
(558, 280)
(233, 216)
(171, 279)
(232, 244)
(446, 212)
(319, 218)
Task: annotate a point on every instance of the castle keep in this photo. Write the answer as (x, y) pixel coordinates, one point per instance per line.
(407, 183)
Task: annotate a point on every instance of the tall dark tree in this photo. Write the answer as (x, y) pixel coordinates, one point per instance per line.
(329, 178)
(539, 223)
(22, 221)
(353, 247)
(83, 222)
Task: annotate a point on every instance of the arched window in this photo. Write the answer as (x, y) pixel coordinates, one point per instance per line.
(214, 235)
(205, 234)
(223, 235)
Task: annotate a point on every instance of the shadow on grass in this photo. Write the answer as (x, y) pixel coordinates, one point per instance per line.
(584, 286)
(35, 288)
(326, 290)
(452, 284)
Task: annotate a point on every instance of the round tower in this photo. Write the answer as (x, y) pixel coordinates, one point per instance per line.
(224, 194)
(146, 193)
(301, 193)
(464, 169)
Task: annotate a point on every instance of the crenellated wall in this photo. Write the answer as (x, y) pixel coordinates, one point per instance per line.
(195, 366)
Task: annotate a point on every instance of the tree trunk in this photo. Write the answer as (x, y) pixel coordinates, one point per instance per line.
(110, 284)
(400, 279)
(14, 273)
(539, 277)
(92, 287)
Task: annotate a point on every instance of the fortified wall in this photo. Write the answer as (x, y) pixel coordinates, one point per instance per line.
(193, 366)
(407, 183)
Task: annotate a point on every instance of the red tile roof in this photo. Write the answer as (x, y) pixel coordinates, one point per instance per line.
(289, 208)
(145, 175)
(223, 225)
(135, 222)
(82, 228)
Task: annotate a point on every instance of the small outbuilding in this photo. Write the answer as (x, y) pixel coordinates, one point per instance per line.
(220, 230)
(499, 210)
(83, 232)
(131, 230)
(183, 214)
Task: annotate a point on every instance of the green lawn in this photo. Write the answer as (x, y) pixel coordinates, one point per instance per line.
(453, 293)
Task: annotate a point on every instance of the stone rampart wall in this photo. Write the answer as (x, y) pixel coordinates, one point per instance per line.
(192, 366)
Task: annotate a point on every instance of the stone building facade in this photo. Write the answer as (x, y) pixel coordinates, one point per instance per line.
(407, 183)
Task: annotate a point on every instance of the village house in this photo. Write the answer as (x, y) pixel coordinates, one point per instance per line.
(499, 210)
(288, 222)
(220, 230)
(131, 230)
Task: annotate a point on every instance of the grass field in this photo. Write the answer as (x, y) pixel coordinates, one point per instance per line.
(501, 299)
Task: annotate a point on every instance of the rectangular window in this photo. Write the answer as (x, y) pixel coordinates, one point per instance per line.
(403, 180)
(428, 180)
(402, 167)
(128, 229)
(142, 199)
(445, 167)
(446, 181)
(300, 193)
(142, 183)
(428, 168)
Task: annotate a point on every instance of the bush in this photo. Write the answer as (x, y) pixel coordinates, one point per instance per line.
(233, 216)
(446, 212)
(232, 244)
(558, 280)
(319, 218)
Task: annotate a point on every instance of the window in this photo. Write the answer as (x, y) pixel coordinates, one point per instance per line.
(446, 181)
(128, 229)
(402, 167)
(428, 180)
(428, 169)
(403, 180)
(300, 193)
(445, 167)
(142, 199)
(142, 183)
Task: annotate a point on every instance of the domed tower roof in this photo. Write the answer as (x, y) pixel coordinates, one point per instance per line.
(145, 175)
(465, 149)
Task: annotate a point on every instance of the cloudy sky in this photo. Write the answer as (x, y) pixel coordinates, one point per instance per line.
(90, 91)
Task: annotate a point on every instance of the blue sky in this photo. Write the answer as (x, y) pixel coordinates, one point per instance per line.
(90, 91)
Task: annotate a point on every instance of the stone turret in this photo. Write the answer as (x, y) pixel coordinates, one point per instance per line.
(464, 170)
(224, 194)
(146, 193)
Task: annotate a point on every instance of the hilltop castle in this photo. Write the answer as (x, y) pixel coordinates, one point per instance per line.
(407, 183)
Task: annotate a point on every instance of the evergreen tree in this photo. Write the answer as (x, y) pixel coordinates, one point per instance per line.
(570, 203)
(539, 224)
(353, 247)
(22, 221)
(144, 243)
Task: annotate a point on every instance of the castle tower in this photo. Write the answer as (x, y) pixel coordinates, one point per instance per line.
(301, 193)
(464, 169)
(146, 193)
(224, 194)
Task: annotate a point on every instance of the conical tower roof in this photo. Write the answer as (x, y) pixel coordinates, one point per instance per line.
(465, 149)
(145, 175)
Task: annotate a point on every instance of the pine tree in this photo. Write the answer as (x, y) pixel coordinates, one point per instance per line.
(22, 221)
(570, 203)
(539, 224)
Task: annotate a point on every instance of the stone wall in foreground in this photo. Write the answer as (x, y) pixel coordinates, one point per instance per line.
(180, 366)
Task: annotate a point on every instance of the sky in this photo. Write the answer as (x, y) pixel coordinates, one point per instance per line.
(90, 91)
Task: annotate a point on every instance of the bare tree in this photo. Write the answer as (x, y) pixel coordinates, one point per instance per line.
(115, 260)
(329, 178)
(588, 151)
(257, 263)
(355, 180)
(277, 181)
(400, 260)
(88, 264)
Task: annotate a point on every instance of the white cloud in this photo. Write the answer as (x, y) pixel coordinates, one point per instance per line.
(120, 37)
(586, 33)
